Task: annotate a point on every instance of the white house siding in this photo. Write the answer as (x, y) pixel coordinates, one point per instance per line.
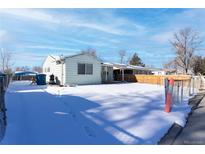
(48, 63)
(55, 69)
(72, 76)
(107, 74)
(59, 70)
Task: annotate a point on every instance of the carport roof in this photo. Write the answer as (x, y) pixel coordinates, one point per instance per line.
(22, 73)
(124, 66)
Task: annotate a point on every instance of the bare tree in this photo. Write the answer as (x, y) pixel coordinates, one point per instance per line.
(18, 69)
(37, 69)
(128, 60)
(122, 54)
(171, 65)
(185, 42)
(5, 60)
(22, 68)
(90, 51)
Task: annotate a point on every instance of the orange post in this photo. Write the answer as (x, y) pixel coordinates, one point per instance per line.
(168, 102)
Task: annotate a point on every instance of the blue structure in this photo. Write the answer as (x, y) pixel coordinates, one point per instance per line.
(25, 73)
(2, 74)
(41, 79)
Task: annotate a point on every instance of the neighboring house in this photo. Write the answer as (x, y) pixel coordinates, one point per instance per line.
(79, 69)
(171, 72)
(158, 72)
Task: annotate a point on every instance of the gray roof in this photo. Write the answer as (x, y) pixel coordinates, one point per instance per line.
(79, 54)
(58, 58)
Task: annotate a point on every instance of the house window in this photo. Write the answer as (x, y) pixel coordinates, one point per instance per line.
(48, 69)
(88, 68)
(81, 68)
(85, 68)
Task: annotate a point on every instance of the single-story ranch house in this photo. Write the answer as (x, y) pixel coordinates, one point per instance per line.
(85, 68)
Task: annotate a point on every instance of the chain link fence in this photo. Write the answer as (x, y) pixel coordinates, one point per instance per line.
(4, 83)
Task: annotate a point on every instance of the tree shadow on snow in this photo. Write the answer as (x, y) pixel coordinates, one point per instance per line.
(63, 119)
(43, 118)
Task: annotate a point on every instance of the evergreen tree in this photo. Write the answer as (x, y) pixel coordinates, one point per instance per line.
(199, 65)
(136, 60)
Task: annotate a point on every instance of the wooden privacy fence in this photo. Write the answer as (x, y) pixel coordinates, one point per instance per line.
(127, 77)
(150, 79)
(183, 87)
(159, 79)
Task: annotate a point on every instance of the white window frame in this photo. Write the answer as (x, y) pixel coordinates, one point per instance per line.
(85, 68)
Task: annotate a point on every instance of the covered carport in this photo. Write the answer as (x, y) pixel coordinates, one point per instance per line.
(122, 71)
(24, 75)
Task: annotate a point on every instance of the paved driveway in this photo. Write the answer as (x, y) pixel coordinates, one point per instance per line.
(194, 132)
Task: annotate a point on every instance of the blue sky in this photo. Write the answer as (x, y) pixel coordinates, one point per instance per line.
(32, 34)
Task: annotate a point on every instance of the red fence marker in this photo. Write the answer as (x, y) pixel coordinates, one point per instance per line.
(168, 102)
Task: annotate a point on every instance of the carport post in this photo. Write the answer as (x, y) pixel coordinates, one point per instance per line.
(123, 75)
(106, 73)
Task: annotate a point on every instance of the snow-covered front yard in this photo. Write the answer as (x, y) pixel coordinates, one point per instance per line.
(129, 113)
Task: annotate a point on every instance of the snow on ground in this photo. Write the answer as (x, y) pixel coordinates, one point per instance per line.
(129, 113)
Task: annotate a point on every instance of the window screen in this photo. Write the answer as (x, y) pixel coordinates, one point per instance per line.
(85, 68)
(81, 68)
(89, 68)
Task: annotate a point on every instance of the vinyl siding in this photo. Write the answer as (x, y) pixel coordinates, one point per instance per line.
(109, 71)
(71, 69)
(55, 69)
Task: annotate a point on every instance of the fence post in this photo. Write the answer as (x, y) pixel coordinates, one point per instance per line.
(193, 86)
(1, 91)
(190, 87)
(166, 85)
(169, 96)
(3, 86)
(182, 91)
(178, 85)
